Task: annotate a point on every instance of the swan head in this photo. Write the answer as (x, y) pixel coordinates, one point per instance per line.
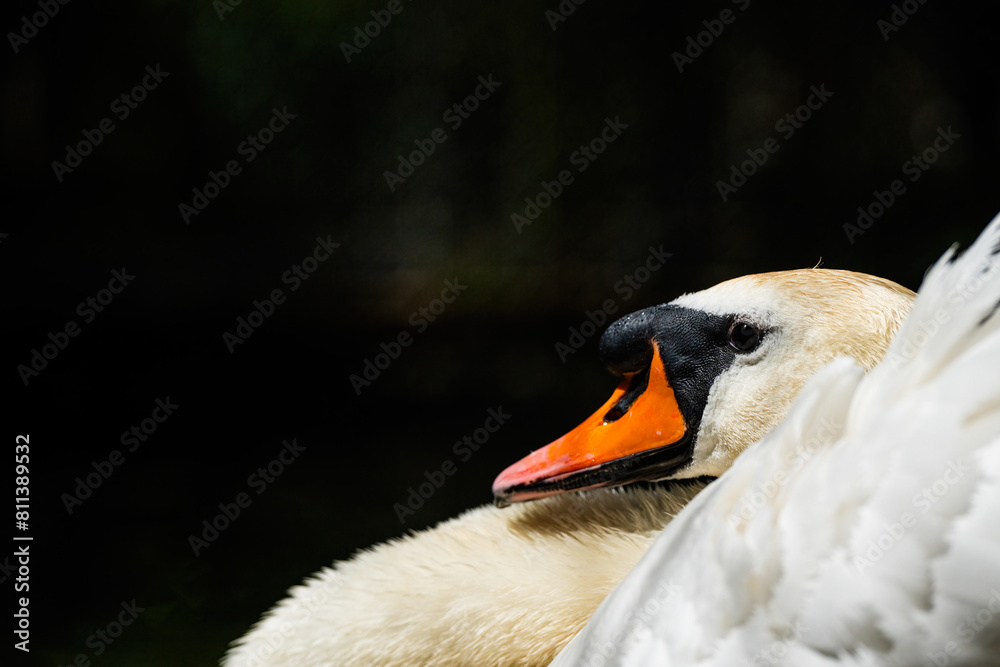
(708, 374)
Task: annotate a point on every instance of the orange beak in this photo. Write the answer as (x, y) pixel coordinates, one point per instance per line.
(611, 447)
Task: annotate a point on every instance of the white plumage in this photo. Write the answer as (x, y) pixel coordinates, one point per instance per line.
(864, 530)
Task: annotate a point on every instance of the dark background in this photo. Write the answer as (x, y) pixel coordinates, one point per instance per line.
(323, 175)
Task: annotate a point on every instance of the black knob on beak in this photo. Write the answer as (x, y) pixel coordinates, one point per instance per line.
(627, 345)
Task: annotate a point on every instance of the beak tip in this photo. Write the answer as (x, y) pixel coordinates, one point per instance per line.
(502, 485)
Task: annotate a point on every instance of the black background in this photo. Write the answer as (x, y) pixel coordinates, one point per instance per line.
(324, 175)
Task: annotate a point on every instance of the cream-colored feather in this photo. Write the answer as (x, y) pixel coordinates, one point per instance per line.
(490, 587)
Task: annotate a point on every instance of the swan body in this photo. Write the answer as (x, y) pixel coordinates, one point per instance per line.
(861, 531)
(512, 586)
(490, 587)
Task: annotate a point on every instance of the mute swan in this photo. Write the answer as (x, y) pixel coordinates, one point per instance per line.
(876, 544)
(704, 377)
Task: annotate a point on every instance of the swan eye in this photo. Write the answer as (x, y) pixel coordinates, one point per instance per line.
(744, 337)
